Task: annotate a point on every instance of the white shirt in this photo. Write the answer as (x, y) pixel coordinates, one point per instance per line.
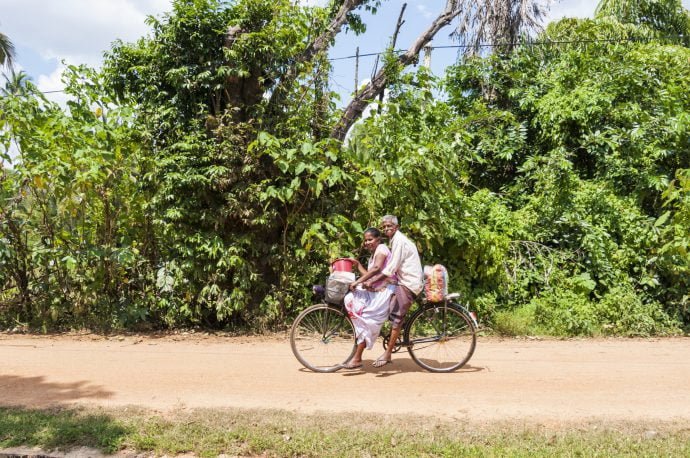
(405, 263)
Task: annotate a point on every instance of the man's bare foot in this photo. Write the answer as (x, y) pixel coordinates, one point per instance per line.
(381, 361)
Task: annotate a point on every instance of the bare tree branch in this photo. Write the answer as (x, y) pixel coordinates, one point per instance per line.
(394, 42)
(357, 105)
(320, 44)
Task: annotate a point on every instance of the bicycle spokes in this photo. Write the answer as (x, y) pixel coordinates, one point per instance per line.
(322, 338)
(440, 338)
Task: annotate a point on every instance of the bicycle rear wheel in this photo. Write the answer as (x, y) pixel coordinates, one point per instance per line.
(323, 338)
(441, 337)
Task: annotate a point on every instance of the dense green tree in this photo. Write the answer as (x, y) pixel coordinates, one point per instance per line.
(666, 17)
(199, 178)
(240, 125)
(230, 204)
(583, 140)
(73, 235)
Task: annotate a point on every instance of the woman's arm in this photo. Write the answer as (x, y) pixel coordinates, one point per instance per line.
(362, 270)
(376, 274)
(377, 265)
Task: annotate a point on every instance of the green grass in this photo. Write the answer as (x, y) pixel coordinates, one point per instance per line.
(51, 429)
(279, 433)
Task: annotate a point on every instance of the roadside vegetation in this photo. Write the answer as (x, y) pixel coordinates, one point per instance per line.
(200, 178)
(279, 433)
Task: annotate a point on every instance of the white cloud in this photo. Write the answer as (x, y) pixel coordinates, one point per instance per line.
(76, 30)
(571, 8)
(51, 85)
(51, 82)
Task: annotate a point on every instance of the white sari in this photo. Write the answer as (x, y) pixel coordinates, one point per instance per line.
(368, 310)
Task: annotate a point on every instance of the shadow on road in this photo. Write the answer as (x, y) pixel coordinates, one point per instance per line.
(407, 365)
(37, 392)
(397, 366)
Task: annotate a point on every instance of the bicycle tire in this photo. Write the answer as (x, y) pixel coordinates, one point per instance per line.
(323, 338)
(441, 338)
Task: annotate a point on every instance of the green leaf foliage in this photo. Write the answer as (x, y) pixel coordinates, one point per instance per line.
(606, 131)
(192, 181)
(75, 243)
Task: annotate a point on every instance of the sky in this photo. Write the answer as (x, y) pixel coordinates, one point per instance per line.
(47, 32)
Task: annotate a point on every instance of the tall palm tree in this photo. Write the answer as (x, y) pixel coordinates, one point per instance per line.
(7, 52)
(497, 23)
(15, 83)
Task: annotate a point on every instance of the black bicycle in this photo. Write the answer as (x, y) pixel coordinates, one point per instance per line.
(440, 336)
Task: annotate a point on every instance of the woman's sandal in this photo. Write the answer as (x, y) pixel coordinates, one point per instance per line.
(352, 366)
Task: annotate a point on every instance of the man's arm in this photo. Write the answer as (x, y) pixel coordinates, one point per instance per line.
(395, 261)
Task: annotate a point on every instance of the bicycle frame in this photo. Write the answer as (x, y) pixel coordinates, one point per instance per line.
(424, 305)
(440, 337)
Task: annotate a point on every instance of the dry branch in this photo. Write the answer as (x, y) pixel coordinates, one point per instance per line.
(319, 45)
(357, 105)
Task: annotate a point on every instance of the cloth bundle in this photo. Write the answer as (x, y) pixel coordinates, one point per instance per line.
(435, 283)
(337, 286)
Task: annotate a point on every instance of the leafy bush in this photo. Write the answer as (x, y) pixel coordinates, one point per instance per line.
(622, 312)
(518, 322)
(189, 184)
(564, 312)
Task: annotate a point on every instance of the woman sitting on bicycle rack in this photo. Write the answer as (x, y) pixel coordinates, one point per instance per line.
(368, 305)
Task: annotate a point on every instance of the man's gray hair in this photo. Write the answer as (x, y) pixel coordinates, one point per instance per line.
(392, 218)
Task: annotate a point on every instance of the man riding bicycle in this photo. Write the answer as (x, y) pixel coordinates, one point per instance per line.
(407, 267)
(440, 335)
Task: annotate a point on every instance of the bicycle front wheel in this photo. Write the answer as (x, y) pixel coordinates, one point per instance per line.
(323, 338)
(441, 337)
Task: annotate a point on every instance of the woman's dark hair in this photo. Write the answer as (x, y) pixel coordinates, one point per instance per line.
(373, 231)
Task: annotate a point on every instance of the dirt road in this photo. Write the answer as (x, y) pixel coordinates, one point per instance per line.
(539, 380)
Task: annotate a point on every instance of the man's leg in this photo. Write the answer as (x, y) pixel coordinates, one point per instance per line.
(400, 304)
(387, 355)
